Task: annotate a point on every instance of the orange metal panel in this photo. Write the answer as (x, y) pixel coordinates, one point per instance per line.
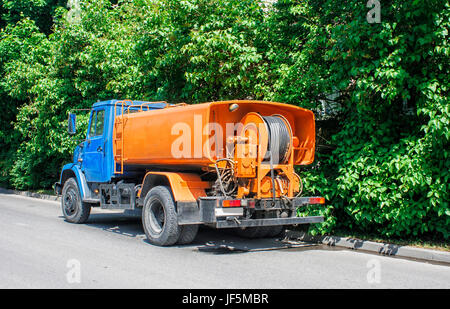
(186, 187)
(148, 137)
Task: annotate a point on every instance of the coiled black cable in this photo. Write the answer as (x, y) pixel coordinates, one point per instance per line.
(279, 139)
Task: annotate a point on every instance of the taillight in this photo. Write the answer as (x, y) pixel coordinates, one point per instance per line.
(316, 200)
(231, 203)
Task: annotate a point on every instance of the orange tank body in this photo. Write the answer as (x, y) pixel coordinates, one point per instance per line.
(194, 136)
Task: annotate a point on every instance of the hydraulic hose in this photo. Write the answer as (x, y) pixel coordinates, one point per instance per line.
(279, 139)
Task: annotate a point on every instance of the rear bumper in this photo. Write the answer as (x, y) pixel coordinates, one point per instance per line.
(267, 222)
(209, 211)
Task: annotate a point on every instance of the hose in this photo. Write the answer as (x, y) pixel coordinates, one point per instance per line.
(301, 184)
(226, 178)
(279, 139)
(220, 181)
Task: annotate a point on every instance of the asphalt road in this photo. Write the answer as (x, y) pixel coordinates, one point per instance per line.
(38, 249)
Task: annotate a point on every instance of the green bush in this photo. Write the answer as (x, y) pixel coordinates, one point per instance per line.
(389, 172)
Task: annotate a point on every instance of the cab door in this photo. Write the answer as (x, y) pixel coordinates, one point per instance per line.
(93, 164)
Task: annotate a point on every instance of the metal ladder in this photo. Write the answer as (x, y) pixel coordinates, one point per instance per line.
(119, 124)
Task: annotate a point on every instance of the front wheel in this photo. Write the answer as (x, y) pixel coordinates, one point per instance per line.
(159, 217)
(73, 208)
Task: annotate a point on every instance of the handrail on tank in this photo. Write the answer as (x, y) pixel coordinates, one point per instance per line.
(127, 104)
(146, 104)
(178, 104)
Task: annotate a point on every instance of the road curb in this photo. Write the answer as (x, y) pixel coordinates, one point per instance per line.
(371, 246)
(31, 194)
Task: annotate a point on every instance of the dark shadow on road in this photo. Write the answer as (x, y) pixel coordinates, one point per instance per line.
(117, 223)
(225, 241)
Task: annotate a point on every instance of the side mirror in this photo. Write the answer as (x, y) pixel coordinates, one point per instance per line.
(71, 128)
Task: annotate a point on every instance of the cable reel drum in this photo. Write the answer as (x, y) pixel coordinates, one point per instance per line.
(264, 140)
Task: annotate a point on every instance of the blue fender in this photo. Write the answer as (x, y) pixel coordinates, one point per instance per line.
(71, 170)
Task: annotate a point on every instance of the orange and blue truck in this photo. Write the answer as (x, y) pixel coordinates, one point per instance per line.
(227, 164)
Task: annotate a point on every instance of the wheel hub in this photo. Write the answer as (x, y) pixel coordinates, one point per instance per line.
(70, 200)
(157, 216)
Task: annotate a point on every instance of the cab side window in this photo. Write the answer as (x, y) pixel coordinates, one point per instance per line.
(100, 122)
(97, 123)
(92, 128)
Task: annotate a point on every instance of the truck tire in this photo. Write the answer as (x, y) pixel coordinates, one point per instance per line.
(159, 217)
(187, 234)
(73, 208)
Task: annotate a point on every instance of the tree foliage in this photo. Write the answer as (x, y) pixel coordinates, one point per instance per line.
(383, 160)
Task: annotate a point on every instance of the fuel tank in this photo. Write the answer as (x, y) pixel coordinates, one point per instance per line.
(195, 136)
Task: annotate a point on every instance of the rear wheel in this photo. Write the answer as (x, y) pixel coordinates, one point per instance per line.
(73, 208)
(159, 217)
